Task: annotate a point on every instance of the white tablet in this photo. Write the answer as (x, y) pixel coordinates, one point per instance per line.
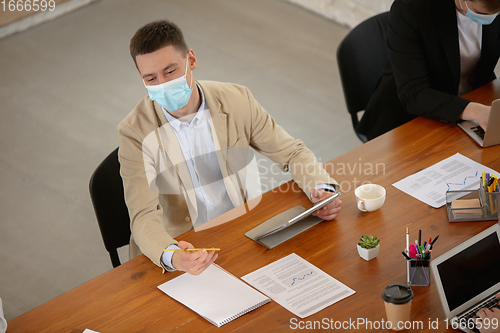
(299, 217)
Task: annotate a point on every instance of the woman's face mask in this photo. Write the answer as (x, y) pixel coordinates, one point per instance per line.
(483, 19)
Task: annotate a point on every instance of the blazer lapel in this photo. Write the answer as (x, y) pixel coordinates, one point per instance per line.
(219, 128)
(218, 125)
(489, 53)
(446, 22)
(174, 153)
(219, 135)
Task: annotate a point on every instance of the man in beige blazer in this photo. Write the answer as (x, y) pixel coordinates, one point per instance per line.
(183, 151)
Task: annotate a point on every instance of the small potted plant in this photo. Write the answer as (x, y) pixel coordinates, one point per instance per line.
(368, 247)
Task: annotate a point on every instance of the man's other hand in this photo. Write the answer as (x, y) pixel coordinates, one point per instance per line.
(330, 211)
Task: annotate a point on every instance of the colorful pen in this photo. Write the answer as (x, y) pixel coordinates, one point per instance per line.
(417, 248)
(407, 240)
(434, 241)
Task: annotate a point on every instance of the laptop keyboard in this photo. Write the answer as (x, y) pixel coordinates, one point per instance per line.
(471, 314)
(479, 131)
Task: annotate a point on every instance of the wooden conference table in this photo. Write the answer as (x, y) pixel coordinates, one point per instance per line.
(126, 299)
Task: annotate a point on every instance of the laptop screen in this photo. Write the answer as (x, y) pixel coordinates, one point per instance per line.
(471, 271)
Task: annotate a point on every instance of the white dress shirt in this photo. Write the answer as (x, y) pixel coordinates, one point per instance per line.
(197, 145)
(470, 38)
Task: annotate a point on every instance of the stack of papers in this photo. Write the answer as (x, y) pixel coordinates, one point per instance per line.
(454, 173)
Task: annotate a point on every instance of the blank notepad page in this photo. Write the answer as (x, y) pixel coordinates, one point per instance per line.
(215, 294)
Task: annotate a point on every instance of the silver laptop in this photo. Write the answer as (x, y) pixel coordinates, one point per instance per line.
(491, 136)
(468, 277)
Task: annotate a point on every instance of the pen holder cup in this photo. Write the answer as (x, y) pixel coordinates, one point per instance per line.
(489, 202)
(485, 208)
(418, 272)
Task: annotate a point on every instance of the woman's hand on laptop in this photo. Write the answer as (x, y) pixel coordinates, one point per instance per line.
(489, 319)
(478, 112)
(330, 211)
(193, 262)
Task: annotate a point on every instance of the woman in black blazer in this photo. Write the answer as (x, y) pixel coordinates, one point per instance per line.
(423, 75)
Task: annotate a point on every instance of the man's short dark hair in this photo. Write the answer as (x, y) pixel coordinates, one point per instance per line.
(156, 35)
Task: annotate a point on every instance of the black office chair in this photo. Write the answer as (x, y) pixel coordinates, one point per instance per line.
(362, 57)
(106, 192)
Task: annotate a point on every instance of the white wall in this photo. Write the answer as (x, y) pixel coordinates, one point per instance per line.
(346, 12)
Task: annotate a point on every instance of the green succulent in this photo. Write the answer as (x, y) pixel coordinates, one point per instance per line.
(368, 242)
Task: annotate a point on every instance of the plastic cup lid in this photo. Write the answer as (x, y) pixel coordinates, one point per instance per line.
(397, 294)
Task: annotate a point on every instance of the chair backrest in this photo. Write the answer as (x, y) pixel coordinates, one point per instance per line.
(106, 192)
(362, 57)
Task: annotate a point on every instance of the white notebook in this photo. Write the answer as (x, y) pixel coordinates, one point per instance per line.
(216, 295)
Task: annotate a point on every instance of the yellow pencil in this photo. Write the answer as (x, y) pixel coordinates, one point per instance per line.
(208, 249)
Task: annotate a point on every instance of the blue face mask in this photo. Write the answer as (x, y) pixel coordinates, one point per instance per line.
(172, 95)
(483, 19)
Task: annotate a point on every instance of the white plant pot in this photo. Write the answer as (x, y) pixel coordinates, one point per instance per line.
(368, 254)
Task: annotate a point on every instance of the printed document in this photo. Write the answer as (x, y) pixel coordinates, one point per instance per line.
(297, 285)
(454, 173)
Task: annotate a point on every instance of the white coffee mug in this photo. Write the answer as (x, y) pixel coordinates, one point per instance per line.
(370, 197)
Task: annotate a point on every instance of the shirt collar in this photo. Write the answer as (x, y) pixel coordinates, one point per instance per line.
(176, 123)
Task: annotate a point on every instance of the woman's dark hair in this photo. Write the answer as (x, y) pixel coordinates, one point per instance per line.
(492, 6)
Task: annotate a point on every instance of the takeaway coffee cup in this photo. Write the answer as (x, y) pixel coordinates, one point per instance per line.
(397, 298)
(370, 197)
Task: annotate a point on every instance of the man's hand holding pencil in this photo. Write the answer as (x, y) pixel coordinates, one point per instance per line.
(187, 259)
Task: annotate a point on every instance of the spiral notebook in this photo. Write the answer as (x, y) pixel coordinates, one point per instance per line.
(216, 295)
